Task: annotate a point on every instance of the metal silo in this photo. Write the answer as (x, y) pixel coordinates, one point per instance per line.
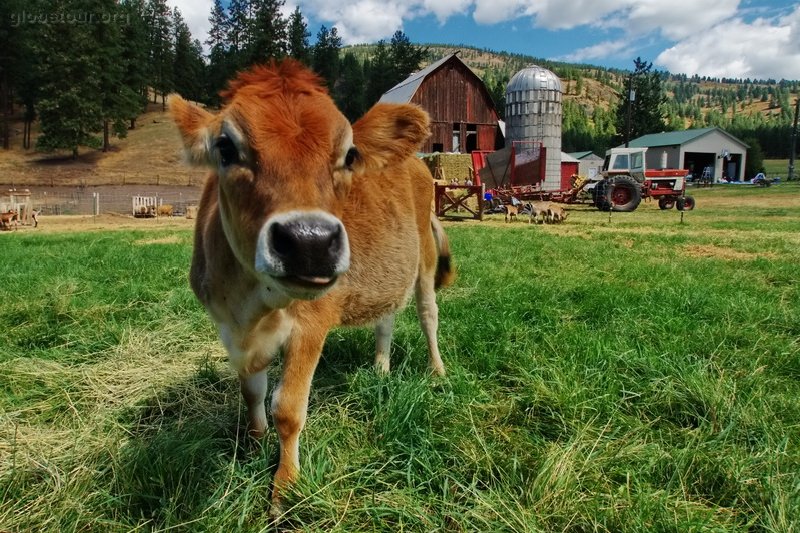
(533, 113)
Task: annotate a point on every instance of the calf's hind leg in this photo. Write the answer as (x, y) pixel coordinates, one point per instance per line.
(428, 313)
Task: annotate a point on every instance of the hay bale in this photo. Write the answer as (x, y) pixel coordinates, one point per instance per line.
(191, 211)
(448, 167)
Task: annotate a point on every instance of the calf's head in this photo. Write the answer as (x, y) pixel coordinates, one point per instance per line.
(284, 160)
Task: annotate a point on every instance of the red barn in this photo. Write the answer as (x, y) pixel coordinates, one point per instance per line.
(463, 117)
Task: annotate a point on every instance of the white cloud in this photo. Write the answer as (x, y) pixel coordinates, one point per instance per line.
(494, 11)
(679, 19)
(709, 37)
(761, 49)
(195, 13)
(601, 50)
(444, 9)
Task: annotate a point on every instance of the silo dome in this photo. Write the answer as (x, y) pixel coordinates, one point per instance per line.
(533, 113)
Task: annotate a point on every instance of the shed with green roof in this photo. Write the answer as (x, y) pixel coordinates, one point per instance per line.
(707, 153)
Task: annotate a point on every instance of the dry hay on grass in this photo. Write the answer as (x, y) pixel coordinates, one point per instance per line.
(721, 252)
(67, 223)
(82, 411)
(172, 239)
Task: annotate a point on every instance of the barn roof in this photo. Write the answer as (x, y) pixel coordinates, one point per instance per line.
(403, 92)
(673, 138)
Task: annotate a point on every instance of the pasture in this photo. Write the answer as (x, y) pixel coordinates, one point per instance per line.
(637, 374)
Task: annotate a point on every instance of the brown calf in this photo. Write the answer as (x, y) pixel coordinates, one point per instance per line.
(511, 211)
(7, 218)
(307, 223)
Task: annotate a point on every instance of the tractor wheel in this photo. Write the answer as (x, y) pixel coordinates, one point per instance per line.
(666, 203)
(600, 196)
(685, 203)
(624, 194)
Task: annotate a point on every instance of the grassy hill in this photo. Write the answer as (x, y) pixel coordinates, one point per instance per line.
(601, 86)
(150, 154)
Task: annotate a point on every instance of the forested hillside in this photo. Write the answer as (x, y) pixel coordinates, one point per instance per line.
(75, 74)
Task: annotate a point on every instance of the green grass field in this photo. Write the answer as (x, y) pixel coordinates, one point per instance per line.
(633, 374)
(779, 167)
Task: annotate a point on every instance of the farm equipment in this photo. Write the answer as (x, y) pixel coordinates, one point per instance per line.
(518, 172)
(626, 181)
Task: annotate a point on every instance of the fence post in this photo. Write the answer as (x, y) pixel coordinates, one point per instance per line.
(96, 207)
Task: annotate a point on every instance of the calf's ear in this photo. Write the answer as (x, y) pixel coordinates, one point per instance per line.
(192, 121)
(390, 132)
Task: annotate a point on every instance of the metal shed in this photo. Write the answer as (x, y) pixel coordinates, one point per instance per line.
(709, 154)
(463, 117)
(590, 164)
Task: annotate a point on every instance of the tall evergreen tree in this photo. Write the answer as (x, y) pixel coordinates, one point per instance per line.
(349, 93)
(405, 57)
(118, 101)
(647, 109)
(379, 74)
(159, 18)
(70, 109)
(218, 32)
(11, 61)
(239, 23)
(268, 31)
(135, 53)
(325, 55)
(299, 47)
(219, 59)
(188, 61)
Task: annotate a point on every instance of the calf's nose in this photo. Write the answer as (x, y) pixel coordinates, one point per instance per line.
(308, 246)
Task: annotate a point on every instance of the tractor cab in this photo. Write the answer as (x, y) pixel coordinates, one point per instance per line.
(627, 161)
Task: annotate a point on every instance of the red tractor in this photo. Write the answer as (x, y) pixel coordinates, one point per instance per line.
(625, 181)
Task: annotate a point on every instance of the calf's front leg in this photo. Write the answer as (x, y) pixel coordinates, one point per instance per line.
(290, 402)
(254, 391)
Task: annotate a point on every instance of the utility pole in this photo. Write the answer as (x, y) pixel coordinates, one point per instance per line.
(794, 139)
(631, 98)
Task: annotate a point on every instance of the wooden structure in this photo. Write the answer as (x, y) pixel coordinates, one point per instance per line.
(451, 199)
(463, 116)
(145, 206)
(20, 202)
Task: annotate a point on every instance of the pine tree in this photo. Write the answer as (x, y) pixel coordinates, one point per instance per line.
(379, 74)
(11, 61)
(268, 31)
(118, 102)
(405, 57)
(647, 110)
(299, 47)
(135, 53)
(325, 55)
(188, 64)
(220, 66)
(349, 93)
(159, 18)
(239, 23)
(218, 33)
(70, 108)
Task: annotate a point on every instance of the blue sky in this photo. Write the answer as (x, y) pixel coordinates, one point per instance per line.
(721, 38)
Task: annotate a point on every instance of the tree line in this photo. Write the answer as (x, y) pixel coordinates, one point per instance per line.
(86, 69)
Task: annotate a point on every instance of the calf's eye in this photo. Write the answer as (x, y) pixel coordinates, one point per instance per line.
(228, 153)
(350, 158)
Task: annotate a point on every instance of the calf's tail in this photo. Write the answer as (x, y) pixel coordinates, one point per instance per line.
(445, 272)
